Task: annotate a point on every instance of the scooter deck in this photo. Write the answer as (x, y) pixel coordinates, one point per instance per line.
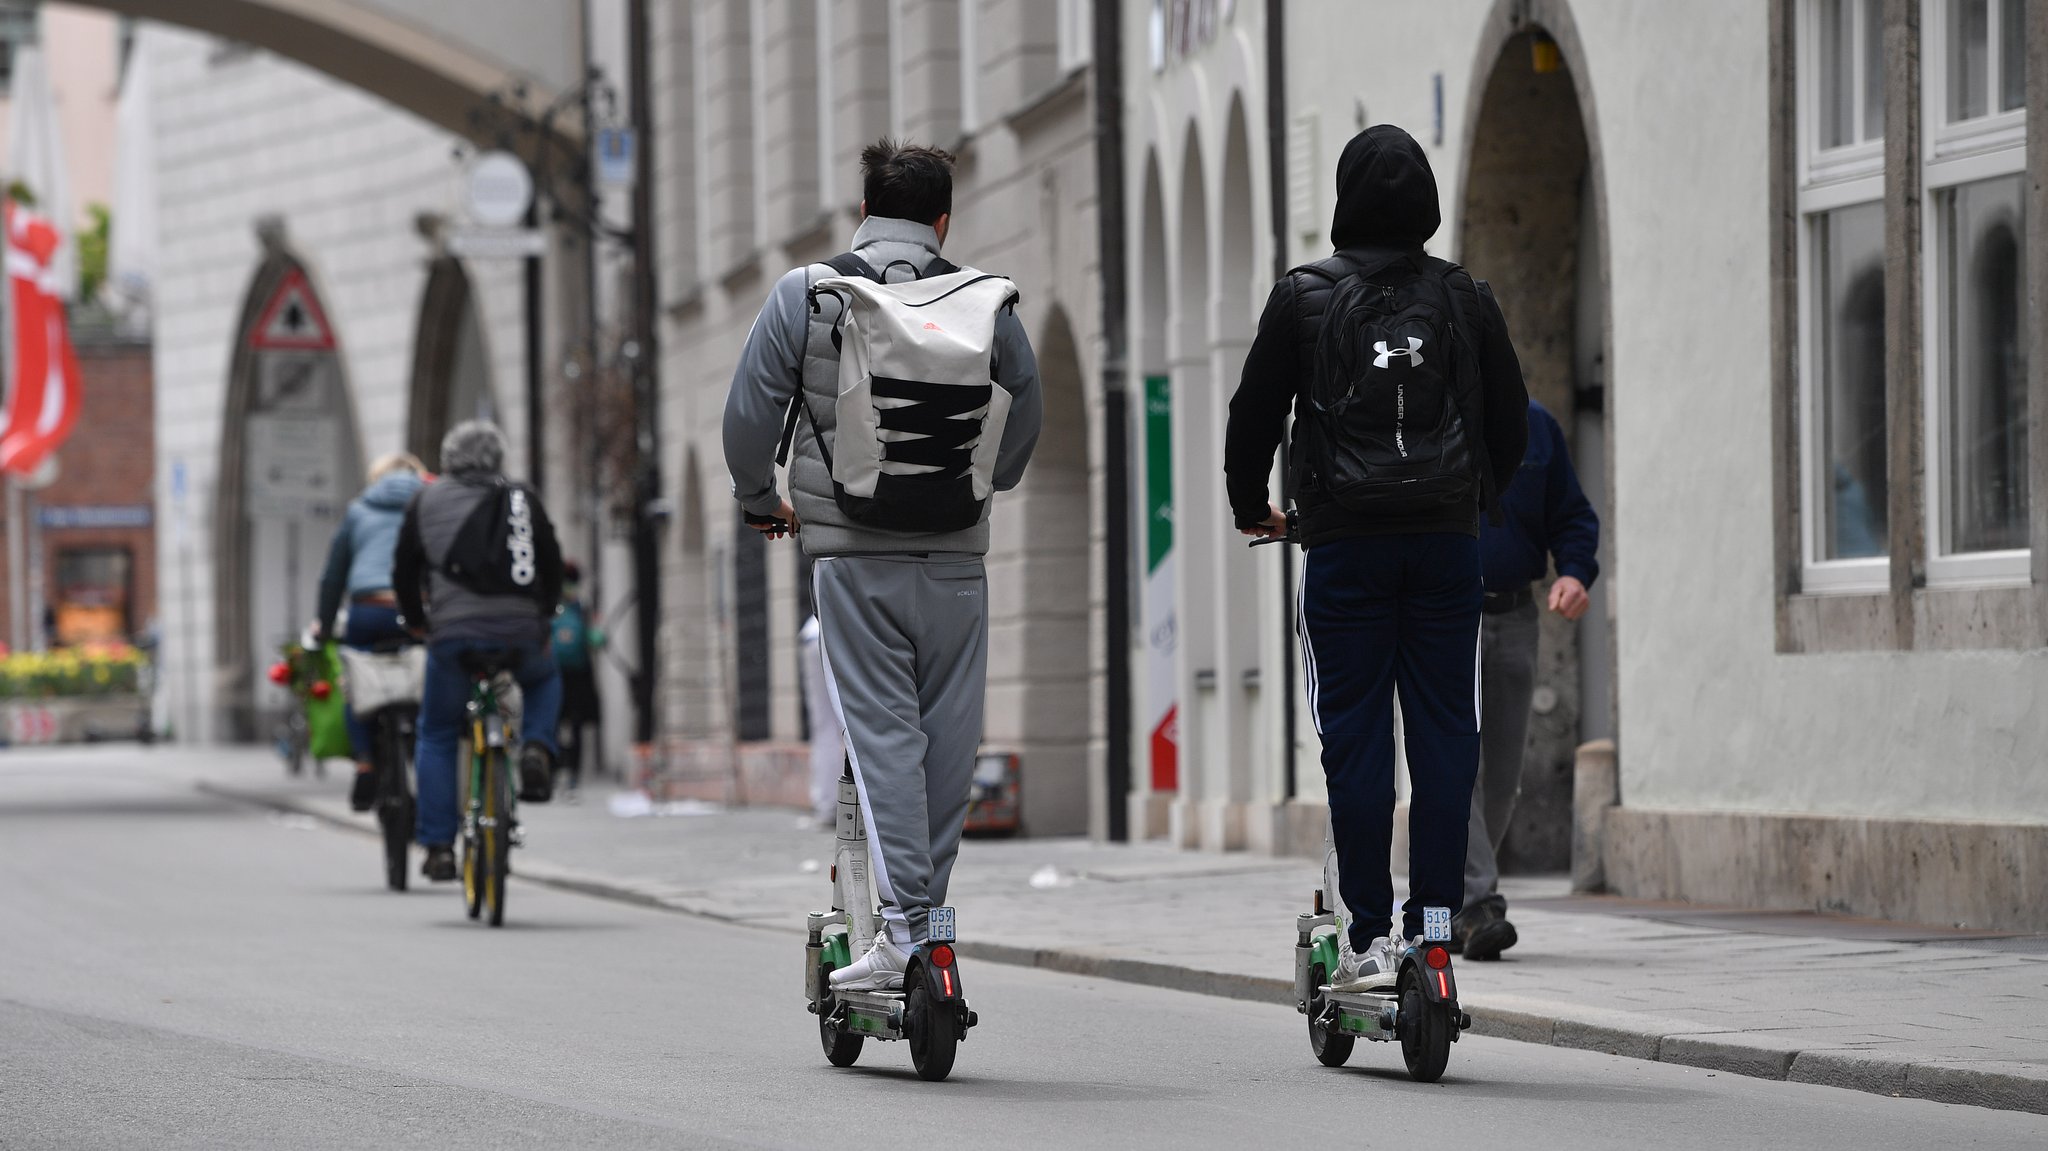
(1370, 1014)
(877, 1014)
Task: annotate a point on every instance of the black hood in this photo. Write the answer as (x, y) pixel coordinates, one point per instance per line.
(1386, 193)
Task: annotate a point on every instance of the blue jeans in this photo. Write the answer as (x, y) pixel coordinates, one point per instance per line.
(444, 712)
(1382, 614)
(369, 624)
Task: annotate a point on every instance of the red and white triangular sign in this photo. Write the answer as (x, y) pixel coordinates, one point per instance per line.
(292, 320)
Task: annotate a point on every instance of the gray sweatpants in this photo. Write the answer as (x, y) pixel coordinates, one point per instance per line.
(906, 662)
(1507, 679)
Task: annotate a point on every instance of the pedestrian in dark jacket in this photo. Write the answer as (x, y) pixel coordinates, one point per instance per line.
(1390, 598)
(1545, 519)
(465, 612)
(359, 573)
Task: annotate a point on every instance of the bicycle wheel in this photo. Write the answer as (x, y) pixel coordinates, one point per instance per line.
(497, 834)
(473, 857)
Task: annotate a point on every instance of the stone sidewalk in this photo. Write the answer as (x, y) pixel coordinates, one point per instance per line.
(1882, 1007)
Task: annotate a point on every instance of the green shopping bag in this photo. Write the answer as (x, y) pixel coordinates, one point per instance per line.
(315, 677)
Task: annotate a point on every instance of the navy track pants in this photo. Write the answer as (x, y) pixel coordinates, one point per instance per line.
(1381, 614)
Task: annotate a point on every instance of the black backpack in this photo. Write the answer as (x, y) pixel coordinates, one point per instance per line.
(1393, 392)
(495, 551)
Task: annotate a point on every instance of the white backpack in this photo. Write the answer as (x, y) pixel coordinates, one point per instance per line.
(920, 416)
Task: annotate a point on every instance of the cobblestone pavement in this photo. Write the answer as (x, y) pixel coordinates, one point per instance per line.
(1889, 1008)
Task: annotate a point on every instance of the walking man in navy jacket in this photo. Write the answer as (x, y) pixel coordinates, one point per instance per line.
(1545, 520)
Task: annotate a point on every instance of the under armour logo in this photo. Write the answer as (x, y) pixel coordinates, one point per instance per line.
(1413, 351)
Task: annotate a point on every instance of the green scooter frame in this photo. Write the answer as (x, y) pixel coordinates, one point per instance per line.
(1420, 1010)
(930, 1011)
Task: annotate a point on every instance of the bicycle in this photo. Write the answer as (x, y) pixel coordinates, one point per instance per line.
(384, 684)
(490, 829)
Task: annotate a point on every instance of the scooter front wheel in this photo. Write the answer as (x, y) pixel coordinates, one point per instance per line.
(934, 1039)
(1426, 1030)
(1332, 1048)
(841, 1047)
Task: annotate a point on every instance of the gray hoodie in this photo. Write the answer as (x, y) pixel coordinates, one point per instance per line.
(790, 347)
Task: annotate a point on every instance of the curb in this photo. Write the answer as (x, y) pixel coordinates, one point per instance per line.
(2002, 1087)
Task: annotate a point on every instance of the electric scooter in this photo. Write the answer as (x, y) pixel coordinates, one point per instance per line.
(931, 1009)
(1420, 1009)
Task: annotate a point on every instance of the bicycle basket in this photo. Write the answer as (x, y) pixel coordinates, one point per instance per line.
(376, 680)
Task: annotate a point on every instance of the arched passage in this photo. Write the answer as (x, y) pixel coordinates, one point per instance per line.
(1532, 224)
(1239, 682)
(290, 460)
(1153, 787)
(690, 639)
(451, 367)
(476, 73)
(1197, 461)
(1039, 617)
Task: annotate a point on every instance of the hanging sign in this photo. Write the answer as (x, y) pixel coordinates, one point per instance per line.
(291, 320)
(500, 189)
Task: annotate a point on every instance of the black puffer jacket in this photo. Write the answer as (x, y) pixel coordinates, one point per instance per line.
(1386, 208)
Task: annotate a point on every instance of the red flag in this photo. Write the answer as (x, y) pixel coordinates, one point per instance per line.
(44, 406)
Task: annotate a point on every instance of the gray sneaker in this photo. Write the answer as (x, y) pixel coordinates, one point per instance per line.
(1378, 966)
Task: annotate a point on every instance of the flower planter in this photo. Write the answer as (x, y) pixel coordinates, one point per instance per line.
(74, 719)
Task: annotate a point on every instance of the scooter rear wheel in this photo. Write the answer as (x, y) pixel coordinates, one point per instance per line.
(841, 1047)
(934, 1039)
(1426, 1031)
(1332, 1048)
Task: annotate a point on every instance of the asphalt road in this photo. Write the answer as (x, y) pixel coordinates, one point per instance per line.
(177, 971)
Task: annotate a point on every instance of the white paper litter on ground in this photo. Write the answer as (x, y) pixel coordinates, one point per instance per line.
(636, 805)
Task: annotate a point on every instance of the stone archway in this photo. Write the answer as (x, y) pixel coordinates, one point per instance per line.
(1197, 461)
(1039, 697)
(290, 460)
(1532, 222)
(451, 367)
(1154, 787)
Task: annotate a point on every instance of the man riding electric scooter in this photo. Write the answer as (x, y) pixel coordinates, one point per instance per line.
(898, 449)
(1409, 417)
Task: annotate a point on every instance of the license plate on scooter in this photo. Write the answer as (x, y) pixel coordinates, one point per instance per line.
(939, 926)
(1436, 924)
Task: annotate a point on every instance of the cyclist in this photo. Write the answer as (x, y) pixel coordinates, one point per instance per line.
(577, 639)
(359, 571)
(478, 563)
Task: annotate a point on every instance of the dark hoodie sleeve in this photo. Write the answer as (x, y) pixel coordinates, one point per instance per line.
(408, 567)
(1502, 391)
(1258, 411)
(1568, 519)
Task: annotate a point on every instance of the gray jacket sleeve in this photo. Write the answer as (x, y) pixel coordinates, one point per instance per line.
(1016, 371)
(765, 383)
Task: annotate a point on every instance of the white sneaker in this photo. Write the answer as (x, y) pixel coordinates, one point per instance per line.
(881, 969)
(1378, 966)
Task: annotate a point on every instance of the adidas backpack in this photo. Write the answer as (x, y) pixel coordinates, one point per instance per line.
(1393, 393)
(920, 416)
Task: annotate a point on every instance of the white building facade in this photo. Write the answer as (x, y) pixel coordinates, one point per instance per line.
(1777, 267)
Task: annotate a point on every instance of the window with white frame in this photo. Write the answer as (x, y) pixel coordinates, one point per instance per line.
(1974, 282)
(1844, 484)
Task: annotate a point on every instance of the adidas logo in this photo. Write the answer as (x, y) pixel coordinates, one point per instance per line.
(931, 327)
